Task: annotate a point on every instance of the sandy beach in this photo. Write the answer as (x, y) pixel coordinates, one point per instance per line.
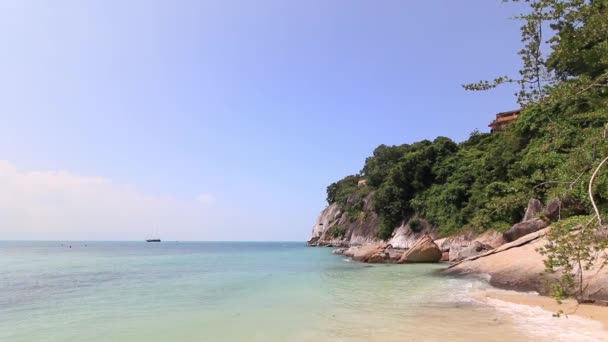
(569, 307)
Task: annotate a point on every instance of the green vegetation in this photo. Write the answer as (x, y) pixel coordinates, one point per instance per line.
(416, 225)
(486, 181)
(550, 152)
(336, 232)
(339, 191)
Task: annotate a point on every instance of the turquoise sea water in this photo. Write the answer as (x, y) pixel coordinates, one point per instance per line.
(187, 291)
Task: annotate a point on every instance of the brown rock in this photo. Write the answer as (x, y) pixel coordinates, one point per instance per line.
(473, 249)
(394, 254)
(524, 228)
(519, 266)
(439, 243)
(383, 253)
(491, 238)
(371, 253)
(454, 244)
(535, 207)
(445, 256)
(424, 250)
(377, 258)
(455, 250)
(552, 212)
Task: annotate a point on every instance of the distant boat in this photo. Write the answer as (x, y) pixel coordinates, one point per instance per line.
(153, 240)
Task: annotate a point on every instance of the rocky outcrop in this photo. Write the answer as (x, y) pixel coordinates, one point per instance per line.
(535, 207)
(475, 248)
(454, 244)
(518, 266)
(335, 228)
(524, 228)
(461, 246)
(374, 253)
(491, 238)
(538, 217)
(424, 250)
(327, 216)
(339, 251)
(364, 246)
(515, 265)
(445, 256)
(405, 237)
(394, 254)
(553, 209)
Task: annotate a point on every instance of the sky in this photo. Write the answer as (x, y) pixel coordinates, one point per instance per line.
(226, 119)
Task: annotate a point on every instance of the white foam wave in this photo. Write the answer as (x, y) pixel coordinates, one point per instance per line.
(542, 325)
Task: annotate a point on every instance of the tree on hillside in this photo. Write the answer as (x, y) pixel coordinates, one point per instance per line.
(564, 92)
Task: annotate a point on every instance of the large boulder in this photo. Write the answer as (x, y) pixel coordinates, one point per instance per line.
(454, 251)
(491, 238)
(535, 207)
(552, 212)
(454, 246)
(366, 252)
(384, 253)
(519, 266)
(339, 251)
(406, 235)
(439, 243)
(445, 256)
(473, 249)
(403, 237)
(373, 253)
(424, 250)
(524, 228)
(454, 242)
(393, 254)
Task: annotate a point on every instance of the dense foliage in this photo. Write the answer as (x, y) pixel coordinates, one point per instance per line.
(549, 152)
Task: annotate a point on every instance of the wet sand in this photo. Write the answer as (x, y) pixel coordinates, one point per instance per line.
(569, 307)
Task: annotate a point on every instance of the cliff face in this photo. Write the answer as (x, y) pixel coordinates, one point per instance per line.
(404, 237)
(335, 227)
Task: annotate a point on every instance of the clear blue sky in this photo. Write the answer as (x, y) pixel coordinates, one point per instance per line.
(253, 106)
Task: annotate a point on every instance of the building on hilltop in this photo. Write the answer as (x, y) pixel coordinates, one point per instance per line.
(503, 119)
(362, 182)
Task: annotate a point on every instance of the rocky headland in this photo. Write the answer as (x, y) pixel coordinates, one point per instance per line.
(510, 260)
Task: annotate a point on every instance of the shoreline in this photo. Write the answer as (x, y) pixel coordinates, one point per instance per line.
(525, 294)
(569, 307)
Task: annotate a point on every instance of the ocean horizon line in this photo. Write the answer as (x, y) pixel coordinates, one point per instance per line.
(169, 240)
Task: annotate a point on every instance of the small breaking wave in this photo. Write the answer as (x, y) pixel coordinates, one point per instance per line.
(541, 324)
(538, 323)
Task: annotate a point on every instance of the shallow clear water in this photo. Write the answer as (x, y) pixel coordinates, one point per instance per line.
(185, 291)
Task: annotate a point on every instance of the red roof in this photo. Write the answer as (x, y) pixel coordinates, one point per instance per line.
(503, 118)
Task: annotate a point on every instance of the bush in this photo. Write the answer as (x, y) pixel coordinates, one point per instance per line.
(416, 225)
(336, 232)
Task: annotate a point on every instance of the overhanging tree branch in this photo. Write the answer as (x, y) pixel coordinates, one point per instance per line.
(597, 170)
